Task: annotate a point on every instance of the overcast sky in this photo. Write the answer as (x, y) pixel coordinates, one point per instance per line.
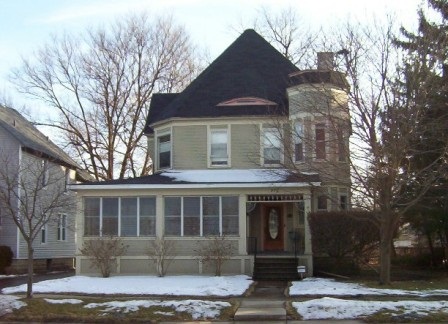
(27, 24)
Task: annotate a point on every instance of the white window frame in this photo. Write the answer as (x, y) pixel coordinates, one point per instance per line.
(44, 234)
(62, 227)
(262, 142)
(210, 132)
(157, 149)
(45, 172)
(323, 126)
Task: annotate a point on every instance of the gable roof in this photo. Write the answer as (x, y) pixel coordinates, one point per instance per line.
(31, 138)
(249, 67)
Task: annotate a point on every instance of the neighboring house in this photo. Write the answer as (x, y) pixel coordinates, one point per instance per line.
(24, 150)
(247, 150)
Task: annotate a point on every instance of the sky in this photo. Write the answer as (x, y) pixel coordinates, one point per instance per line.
(25, 25)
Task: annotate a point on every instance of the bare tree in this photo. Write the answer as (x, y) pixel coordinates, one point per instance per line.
(384, 126)
(100, 83)
(32, 194)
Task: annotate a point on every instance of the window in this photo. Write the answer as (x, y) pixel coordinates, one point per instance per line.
(173, 215)
(43, 234)
(124, 216)
(210, 212)
(128, 217)
(343, 202)
(62, 227)
(201, 216)
(147, 216)
(219, 147)
(271, 146)
(322, 202)
(45, 173)
(92, 214)
(110, 216)
(298, 142)
(164, 149)
(320, 141)
(230, 215)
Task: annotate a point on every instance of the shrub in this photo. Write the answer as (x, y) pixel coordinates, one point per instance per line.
(6, 256)
(216, 251)
(161, 252)
(104, 252)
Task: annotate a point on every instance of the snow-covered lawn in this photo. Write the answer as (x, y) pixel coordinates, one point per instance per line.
(331, 287)
(9, 303)
(143, 285)
(333, 308)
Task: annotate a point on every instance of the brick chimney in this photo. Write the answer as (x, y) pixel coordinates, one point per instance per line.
(325, 61)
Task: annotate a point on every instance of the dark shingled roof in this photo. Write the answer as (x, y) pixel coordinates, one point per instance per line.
(249, 67)
(31, 138)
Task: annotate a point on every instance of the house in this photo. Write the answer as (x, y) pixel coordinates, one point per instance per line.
(247, 150)
(24, 153)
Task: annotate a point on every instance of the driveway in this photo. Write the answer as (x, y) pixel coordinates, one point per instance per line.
(22, 279)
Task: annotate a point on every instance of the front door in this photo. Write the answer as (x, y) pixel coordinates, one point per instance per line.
(273, 228)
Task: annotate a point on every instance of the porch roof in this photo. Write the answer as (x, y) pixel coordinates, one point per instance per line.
(229, 178)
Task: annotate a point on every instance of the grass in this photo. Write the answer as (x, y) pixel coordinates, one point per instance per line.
(415, 285)
(400, 317)
(38, 310)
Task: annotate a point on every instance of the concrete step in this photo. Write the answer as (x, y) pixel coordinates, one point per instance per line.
(261, 310)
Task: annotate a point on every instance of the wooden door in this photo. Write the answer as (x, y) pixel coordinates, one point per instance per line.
(273, 228)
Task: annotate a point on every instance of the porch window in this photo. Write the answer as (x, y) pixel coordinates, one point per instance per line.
(201, 216)
(128, 217)
(124, 216)
(92, 214)
(322, 202)
(298, 142)
(164, 149)
(147, 219)
(173, 216)
(343, 202)
(230, 215)
(271, 146)
(192, 216)
(219, 140)
(320, 141)
(110, 216)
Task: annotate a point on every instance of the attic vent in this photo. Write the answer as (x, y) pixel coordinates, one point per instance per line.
(247, 101)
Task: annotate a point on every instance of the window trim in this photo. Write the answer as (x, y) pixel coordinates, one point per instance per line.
(262, 142)
(210, 130)
(44, 234)
(62, 228)
(322, 126)
(301, 138)
(157, 149)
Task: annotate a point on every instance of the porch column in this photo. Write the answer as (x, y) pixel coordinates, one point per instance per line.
(242, 244)
(307, 204)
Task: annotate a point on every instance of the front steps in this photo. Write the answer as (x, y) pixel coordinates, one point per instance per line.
(269, 268)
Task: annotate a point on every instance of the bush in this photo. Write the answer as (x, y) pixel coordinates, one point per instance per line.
(216, 251)
(104, 252)
(343, 234)
(6, 256)
(161, 252)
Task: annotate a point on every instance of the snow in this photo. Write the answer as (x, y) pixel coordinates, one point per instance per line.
(330, 287)
(332, 308)
(197, 308)
(228, 176)
(143, 285)
(9, 303)
(63, 301)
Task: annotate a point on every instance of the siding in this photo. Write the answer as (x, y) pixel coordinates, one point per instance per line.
(245, 146)
(190, 147)
(9, 154)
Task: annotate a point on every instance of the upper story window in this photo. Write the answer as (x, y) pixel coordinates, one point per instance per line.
(62, 227)
(271, 146)
(342, 146)
(219, 147)
(45, 172)
(298, 142)
(164, 151)
(320, 149)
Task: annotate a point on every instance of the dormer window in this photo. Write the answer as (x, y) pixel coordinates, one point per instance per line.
(219, 147)
(164, 151)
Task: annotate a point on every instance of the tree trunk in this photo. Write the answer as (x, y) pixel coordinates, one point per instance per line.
(29, 288)
(386, 241)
